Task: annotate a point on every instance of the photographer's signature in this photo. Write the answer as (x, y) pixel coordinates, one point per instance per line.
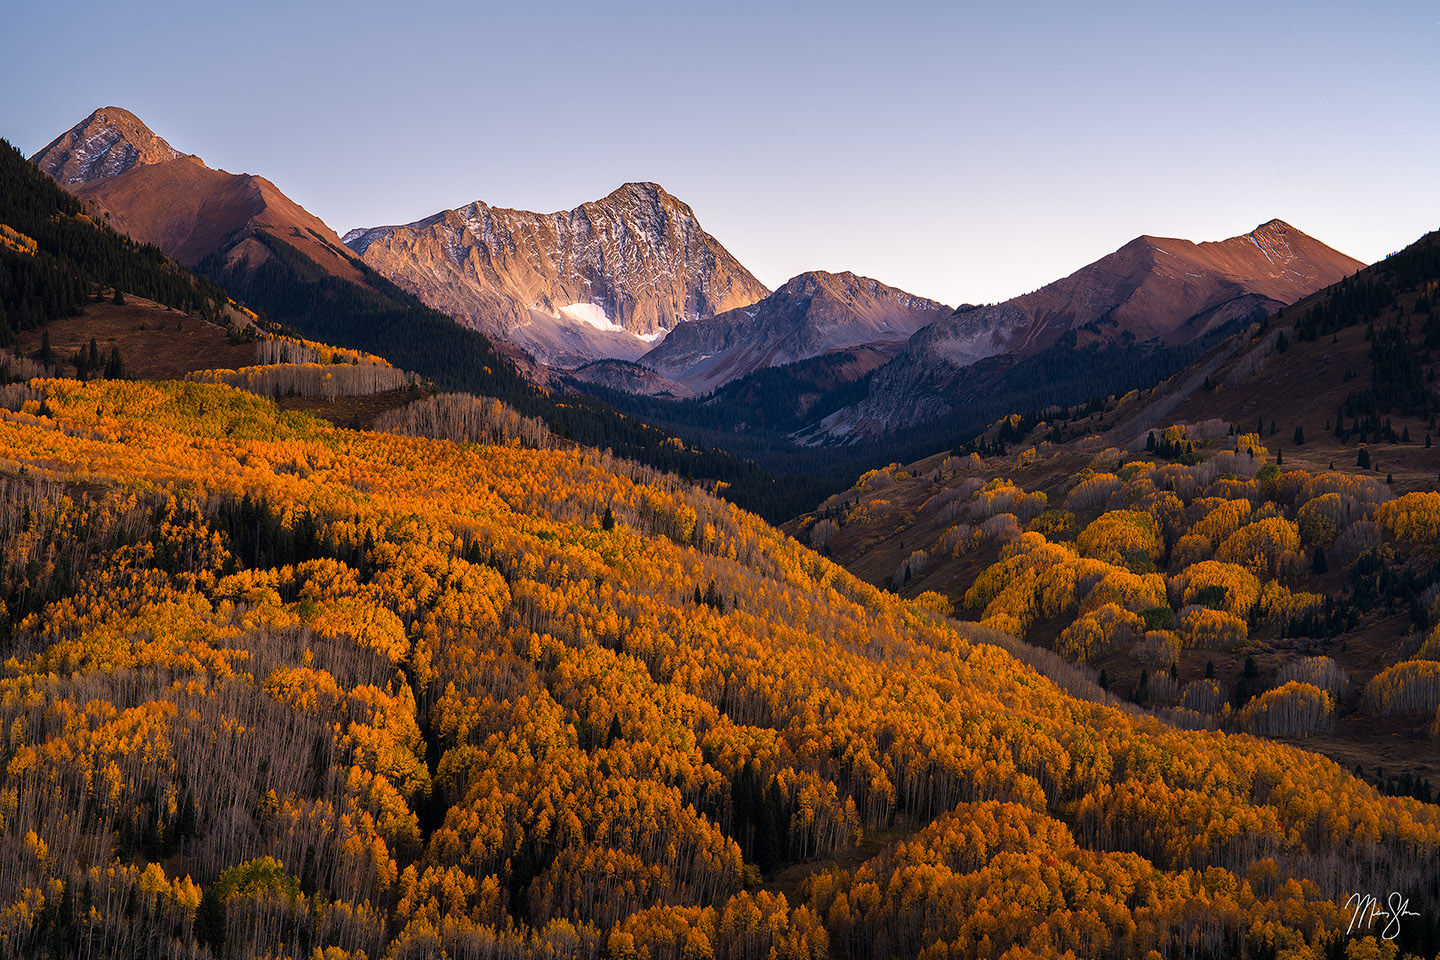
(1367, 909)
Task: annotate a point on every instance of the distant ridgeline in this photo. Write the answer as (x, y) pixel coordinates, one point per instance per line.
(757, 416)
(53, 256)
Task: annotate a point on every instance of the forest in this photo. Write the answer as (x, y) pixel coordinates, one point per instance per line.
(55, 257)
(296, 690)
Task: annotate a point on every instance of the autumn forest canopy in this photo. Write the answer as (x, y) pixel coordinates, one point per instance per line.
(294, 687)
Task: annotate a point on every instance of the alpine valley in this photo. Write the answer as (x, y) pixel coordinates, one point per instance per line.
(545, 587)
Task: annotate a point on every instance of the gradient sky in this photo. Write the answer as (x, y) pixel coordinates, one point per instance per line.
(964, 152)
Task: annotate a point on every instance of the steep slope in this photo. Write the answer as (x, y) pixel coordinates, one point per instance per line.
(1153, 291)
(191, 212)
(1339, 365)
(812, 314)
(58, 258)
(604, 280)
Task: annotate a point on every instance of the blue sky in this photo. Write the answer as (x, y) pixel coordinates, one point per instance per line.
(965, 152)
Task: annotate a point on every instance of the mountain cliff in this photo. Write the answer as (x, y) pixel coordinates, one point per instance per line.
(812, 314)
(604, 280)
(1154, 292)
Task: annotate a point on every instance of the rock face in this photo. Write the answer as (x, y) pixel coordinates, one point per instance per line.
(811, 315)
(605, 280)
(1153, 290)
(104, 144)
(158, 195)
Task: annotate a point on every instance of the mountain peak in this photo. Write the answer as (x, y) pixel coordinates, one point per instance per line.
(604, 280)
(105, 144)
(640, 187)
(812, 314)
(647, 193)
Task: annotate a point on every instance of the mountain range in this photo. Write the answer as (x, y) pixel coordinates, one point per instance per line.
(811, 315)
(629, 292)
(1152, 293)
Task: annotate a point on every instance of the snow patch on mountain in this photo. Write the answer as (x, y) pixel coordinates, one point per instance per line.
(591, 313)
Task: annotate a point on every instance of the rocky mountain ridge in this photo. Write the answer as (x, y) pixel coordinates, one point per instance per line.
(1158, 291)
(603, 280)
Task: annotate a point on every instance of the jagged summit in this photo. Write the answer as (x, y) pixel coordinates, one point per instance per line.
(105, 144)
(603, 280)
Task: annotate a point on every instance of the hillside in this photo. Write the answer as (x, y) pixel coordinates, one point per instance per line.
(401, 696)
(56, 259)
(1130, 315)
(604, 280)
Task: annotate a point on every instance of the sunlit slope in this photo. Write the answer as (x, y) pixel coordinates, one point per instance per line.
(461, 709)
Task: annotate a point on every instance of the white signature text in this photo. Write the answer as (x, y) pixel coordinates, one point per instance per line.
(1367, 909)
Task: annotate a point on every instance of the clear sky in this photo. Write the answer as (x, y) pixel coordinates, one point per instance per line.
(961, 151)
